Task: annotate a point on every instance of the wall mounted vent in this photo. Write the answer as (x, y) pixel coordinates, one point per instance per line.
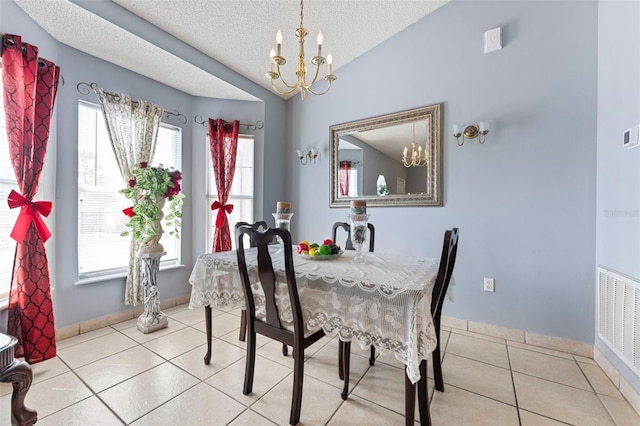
(618, 315)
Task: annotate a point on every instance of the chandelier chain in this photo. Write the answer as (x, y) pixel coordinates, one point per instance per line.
(301, 6)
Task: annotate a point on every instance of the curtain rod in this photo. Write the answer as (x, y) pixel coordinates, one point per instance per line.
(258, 125)
(41, 63)
(85, 89)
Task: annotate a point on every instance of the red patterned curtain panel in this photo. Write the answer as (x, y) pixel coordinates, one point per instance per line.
(30, 85)
(223, 142)
(343, 176)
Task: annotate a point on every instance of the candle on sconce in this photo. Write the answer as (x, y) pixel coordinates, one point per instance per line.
(320, 39)
(279, 41)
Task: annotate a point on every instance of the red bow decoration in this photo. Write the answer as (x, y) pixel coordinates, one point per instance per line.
(225, 209)
(30, 212)
(129, 212)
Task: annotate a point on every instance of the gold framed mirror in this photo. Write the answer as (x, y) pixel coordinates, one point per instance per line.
(388, 160)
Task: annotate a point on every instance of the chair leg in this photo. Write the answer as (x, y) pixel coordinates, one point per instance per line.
(437, 368)
(250, 362)
(423, 395)
(409, 401)
(372, 357)
(243, 325)
(298, 375)
(340, 361)
(285, 350)
(207, 321)
(346, 359)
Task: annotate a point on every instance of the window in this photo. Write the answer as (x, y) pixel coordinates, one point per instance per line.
(7, 216)
(101, 249)
(353, 182)
(241, 195)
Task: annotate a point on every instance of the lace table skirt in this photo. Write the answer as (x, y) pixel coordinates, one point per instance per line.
(385, 302)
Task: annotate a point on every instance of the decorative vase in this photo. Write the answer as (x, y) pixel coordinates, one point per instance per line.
(151, 244)
(359, 235)
(283, 221)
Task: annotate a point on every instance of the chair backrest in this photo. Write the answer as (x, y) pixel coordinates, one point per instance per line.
(447, 262)
(349, 245)
(261, 224)
(266, 274)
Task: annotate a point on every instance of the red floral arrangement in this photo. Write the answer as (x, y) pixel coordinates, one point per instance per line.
(144, 187)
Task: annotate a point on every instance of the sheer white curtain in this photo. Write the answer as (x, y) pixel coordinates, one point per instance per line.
(133, 131)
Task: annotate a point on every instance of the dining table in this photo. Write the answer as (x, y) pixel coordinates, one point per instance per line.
(384, 302)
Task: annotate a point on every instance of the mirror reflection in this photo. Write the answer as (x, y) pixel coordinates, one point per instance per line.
(391, 160)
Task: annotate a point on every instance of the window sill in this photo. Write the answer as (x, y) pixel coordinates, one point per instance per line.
(115, 276)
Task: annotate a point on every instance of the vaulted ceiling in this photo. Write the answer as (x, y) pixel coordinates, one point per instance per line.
(235, 33)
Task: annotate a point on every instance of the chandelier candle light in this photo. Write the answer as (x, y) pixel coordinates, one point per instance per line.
(277, 60)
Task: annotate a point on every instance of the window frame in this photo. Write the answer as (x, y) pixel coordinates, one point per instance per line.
(211, 194)
(122, 271)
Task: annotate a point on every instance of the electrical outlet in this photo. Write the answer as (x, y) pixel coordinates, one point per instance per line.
(489, 284)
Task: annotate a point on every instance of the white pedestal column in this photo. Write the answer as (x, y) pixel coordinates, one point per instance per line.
(152, 318)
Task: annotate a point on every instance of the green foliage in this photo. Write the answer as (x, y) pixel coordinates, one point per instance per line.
(147, 184)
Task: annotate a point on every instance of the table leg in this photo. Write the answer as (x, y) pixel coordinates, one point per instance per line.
(20, 376)
(423, 400)
(409, 401)
(207, 321)
(346, 358)
(423, 395)
(340, 355)
(243, 325)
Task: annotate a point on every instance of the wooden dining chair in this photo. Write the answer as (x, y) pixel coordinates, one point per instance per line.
(438, 294)
(261, 224)
(349, 245)
(208, 311)
(346, 346)
(293, 334)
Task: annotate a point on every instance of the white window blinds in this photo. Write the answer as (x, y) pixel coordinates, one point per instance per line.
(101, 249)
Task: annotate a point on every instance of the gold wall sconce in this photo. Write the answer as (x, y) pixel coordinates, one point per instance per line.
(307, 156)
(472, 131)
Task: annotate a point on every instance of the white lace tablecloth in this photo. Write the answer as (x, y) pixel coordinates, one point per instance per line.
(385, 302)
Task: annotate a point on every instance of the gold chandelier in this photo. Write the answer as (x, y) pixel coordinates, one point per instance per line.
(277, 60)
(417, 158)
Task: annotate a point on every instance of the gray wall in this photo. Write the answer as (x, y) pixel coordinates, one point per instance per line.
(618, 175)
(525, 200)
(75, 303)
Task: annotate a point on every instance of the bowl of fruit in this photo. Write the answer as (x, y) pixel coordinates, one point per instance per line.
(314, 251)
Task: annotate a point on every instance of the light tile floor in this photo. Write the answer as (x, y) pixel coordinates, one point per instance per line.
(119, 376)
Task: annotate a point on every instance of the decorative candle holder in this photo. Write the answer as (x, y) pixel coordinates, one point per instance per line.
(359, 235)
(283, 221)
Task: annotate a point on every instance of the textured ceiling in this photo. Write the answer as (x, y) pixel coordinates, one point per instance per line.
(236, 33)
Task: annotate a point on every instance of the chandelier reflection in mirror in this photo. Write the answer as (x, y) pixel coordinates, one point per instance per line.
(277, 60)
(418, 158)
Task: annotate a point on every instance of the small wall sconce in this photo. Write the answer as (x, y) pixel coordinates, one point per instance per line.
(307, 156)
(472, 131)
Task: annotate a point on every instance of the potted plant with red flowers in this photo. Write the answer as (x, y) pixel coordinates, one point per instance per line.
(150, 188)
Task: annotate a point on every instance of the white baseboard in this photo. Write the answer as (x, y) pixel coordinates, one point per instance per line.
(551, 342)
(107, 320)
